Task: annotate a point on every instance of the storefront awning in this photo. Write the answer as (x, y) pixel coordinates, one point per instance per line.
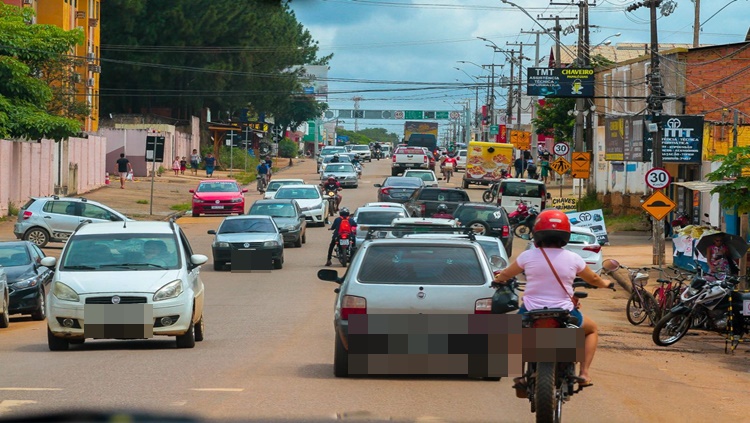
(701, 186)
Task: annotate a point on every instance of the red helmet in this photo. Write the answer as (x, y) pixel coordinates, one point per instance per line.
(552, 224)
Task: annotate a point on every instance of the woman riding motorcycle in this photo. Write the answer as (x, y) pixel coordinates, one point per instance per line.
(543, 288)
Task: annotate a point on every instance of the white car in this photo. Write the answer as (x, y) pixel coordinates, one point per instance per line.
(367, 217)
(387, 204)
(413, 221)
(461, 160)
(310, 200)
(275, 184)
(427, 176)
(330, 150)
(128, 280)
(363, 151)
(583, 242)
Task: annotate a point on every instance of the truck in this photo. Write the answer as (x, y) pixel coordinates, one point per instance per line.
(486, 162)
(410, 158)
(421, 134)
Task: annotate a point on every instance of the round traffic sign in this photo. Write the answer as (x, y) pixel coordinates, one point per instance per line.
(561, 149)
(455, 115)
(399, 114)
(658, 178)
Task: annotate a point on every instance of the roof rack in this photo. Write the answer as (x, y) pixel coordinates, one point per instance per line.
(379, 232)
(82, 224)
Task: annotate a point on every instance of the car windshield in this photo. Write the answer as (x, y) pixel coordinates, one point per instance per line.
(273, 210)
(245, 225)
(578, 238)
(425, 176)
(519, 189)
(487, 214)
(14, 255)
(339, 168)
(218, 187)
(275, 185)
(343, 158)
(421, 264)
(360, 148)
(298, 193)
(109, 252)
(377, 218)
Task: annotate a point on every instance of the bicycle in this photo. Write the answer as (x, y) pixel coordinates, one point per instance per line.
(641, 305)
(261, 183)
(667, 294)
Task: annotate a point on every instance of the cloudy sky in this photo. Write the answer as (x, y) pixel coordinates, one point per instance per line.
(402, 54)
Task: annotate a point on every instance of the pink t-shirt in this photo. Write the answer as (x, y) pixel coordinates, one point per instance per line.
(542, 289)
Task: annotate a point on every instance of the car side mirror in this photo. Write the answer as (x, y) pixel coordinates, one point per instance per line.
(211, 232)
(198, 259)
(49, 262)
(549, 196)
(329, 275)
(192, 191)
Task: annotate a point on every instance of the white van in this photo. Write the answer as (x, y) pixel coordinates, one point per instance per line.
(512, 190)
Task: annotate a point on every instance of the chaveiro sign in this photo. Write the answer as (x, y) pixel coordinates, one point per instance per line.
(560, 82)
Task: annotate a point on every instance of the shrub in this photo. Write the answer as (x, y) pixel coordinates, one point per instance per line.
(288, 148)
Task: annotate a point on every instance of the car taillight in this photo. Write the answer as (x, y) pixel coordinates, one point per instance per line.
(422, 209)
(506, 231)
(385, 191)
(593, 248)
(394, 158)
(352, 305)
(26, 215)
(546, 323)
(425, 159)
(483, 306)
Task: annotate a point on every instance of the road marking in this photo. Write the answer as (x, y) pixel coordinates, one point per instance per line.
(6, 405)
(218, 389)
(178, 403)
(30, 389)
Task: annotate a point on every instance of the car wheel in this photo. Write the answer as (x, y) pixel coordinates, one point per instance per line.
(55, 343)
(465, 185)
(340, 359)
(5, 316)
(298, 242)
(219, 265)
(40, 313)
(77, 341)
(199, 330)
(186, 340)
(278, 263)
(479, 227)
(38, 236)
(196, 214)
(304, 237)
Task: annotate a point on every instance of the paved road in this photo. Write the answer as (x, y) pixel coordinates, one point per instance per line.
(269, 348)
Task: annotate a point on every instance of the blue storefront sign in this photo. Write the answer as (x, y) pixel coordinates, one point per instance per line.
(681, 141)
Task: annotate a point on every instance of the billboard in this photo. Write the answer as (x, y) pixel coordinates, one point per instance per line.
(315, 80)
(560, 82)
(681, 141)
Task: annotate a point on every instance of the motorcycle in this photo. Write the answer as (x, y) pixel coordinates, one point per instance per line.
(331, 198)
(345, 248)
(519, 214)
(491, 193)
(358, 167)
(523, 228)
(378, 154)
(715, 303)
(548, 385)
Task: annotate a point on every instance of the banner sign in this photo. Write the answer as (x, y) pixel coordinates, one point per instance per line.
(623, 139)
(560, 82)
(592, 219)
(681, 141)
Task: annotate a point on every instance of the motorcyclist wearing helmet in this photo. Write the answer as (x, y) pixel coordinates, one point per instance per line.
(343, 215)
(336, 158)
(333, 185)
(550, 234)
(442, 213)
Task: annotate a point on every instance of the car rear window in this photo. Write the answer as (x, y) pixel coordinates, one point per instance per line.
(274, 186)
(28, 204)
(421, 264)
(301, 193)
(523, 189)
(425, 176)
(576, 238)
(441, 195)
(401, 181)
(488, 214)
(377, 218)
(273, 210)
(412, 150)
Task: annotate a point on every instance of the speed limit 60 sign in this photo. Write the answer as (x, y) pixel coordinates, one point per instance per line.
(657, 178)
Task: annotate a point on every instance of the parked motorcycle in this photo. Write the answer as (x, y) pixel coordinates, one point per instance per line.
(519, 214)
(345, 248)
(524, 227)
(713, 301)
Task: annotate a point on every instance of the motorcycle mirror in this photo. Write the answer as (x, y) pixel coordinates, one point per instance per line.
(498, 261)
(610, 265)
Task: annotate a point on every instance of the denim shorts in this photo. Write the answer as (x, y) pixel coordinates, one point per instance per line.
(575, 313)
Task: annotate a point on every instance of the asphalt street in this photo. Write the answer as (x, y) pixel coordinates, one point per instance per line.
(268, 354)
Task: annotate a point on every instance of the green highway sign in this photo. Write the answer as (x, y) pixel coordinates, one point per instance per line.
(442, 115)
(494, 129)
(413, 114)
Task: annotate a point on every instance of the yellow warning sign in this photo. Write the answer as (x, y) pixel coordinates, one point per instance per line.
(658, 205)
(520, 139)
(581, 165)
(561, 166)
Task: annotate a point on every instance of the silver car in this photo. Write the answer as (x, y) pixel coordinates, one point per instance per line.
(493, 248)
(344, 173)
(343, 158)
(54, 219)
(254, 236)
(367, 217)
(409, 276)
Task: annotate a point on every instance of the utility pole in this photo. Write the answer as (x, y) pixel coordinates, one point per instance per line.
(535, 99)
(521, 57)
(557, 28)
(655, 108)
(697, 24)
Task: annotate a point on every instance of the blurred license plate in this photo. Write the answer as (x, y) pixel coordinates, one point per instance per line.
(217, 207)
(344, 242)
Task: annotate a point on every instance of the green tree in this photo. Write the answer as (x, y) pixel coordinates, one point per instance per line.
(553, 119)
(33, 102)
(735, 167)
(354, 137)
(380, 134)
(288, 149)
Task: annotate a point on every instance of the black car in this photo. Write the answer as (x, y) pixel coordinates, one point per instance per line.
(27, 278)
(288, 217)
(486, 219)
(398, 189)
(425, 201)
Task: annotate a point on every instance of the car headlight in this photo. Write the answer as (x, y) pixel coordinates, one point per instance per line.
(289, 227)
(236, 200)
(197, 200)
(271, 244)
(26, 283)
(221, 244)
(64, 292)
(170, 290)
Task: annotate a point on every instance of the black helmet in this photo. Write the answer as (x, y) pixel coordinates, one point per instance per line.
(442, 208)
(344, 212)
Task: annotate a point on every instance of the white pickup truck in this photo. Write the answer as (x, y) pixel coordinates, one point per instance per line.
(409, 158)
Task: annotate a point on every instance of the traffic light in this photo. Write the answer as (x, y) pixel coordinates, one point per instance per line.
(486, 120)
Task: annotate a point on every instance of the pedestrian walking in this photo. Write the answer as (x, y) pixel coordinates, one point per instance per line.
(123, 168)
(544, 165)
(518, 165)
(183, 165)
(210, 164)
(195, 160)
(176, 165)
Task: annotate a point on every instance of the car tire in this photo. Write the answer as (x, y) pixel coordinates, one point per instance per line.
(38, 236)
(187, 340)
(219, 265)
(196, 214)
(298, 242)
(476, 224)
(465, 185)
(40, 313)
(278, 263)
(340, 359)
(200, 329)
(304, 237)
(5, 315)
(56, 344)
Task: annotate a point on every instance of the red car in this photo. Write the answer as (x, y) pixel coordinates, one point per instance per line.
(218, 196)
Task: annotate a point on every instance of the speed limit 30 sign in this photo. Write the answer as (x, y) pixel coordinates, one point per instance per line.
(658, 178)
(561, 149)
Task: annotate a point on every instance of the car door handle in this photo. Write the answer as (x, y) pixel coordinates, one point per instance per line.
(48, 217)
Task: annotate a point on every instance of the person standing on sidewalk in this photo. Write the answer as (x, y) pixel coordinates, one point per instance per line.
(183, 165)
(210, 164)
(123, 168)
(195, 160)
(176, 165)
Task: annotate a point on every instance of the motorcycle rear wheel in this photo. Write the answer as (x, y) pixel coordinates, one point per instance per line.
(521, 230)
(343, 256)
(671, 328)
(487, 196)
(547, 396)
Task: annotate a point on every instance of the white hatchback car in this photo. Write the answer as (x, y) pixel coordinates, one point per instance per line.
(275, 184)
(310, 200)
(584, 243)
(427, 176)
(129, 280)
